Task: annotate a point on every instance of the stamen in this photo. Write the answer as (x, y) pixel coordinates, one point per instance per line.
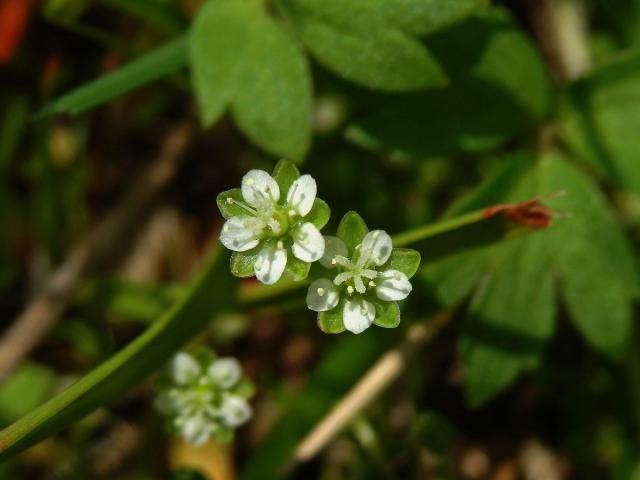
(250, 181)
(252, 211)
(280, 244)
(350, 290)
(372, 283)
(321, 292)
(291, 212)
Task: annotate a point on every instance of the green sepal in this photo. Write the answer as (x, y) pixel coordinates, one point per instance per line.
(331, 321)
(352, 230)
(319, 213)
(242, 263)
(244, 388)
(387, 314)
(296, 269)
(404, 260)
(204, 356)
(223, 434)
(229, 210)
(285, 173)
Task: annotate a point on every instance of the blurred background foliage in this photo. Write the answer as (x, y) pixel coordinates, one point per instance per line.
(408, 111)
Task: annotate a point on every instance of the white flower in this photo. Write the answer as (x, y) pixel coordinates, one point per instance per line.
(204, 401)
(358, 281)
(276, 228)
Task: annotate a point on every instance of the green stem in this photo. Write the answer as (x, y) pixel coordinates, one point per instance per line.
(419, 234)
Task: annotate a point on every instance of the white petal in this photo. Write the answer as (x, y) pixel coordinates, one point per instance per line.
(225, 372)
(358, 315)
(241, 233)
(184, 369)
(393, 285)
(270, 264)
(259, 188)
(301, 195)
(375, 248)
(332, 246)
(195, 430)
(234, 410)
(322, 295)
(308, 243)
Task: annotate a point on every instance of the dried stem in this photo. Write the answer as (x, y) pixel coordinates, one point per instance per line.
(106, 239)
(377, 378)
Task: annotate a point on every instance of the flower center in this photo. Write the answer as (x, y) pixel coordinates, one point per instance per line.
(277, 223)
(353, 275)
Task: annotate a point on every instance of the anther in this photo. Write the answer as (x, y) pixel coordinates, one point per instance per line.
(320, 292)
(350, 290)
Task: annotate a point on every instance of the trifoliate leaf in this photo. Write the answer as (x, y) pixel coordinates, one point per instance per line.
(332, 321)
(353, 39)
(242, 59)
(404, 260)
(272, 105)
(602, 119)
(217, 44)
(499, 89)
(319, 213)
(228, 203)
(352, 230)
(583, 255)
(387, 314)
(285, 173)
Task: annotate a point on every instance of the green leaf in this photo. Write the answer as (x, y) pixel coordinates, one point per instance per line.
(352, 229)
(209, 294)
(319, 213)
(422, 17)
(273, 99)
(242, 59)
(351, 38)
(499, 90)
(387, 314)
(331, 321)
(512, 312)
(161, 62)
(217, 49)
(242, 263)
(296, 269)
(285, 173)
(404, 260)
(230, 209)
(602, 118)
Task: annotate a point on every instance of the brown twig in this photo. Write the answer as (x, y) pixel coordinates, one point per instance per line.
(111, 235)
(374, 381)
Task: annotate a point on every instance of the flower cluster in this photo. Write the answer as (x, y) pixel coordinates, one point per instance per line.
(205, 397)
(360, 276)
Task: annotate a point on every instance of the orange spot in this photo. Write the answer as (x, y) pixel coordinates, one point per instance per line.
(14, 15)
(531, 213)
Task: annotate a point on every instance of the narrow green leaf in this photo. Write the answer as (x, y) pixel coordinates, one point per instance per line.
(387, 314)
(226, 202)
(164, 61)
(404, 260)
(217, 49)
(285, 173)
(272, 105)
(209, 294)
(319, 214)
(352, 229)
(331, 321)
(353, 39)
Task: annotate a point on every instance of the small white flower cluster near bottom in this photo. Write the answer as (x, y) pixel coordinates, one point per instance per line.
(204, 401)
(357, 279)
